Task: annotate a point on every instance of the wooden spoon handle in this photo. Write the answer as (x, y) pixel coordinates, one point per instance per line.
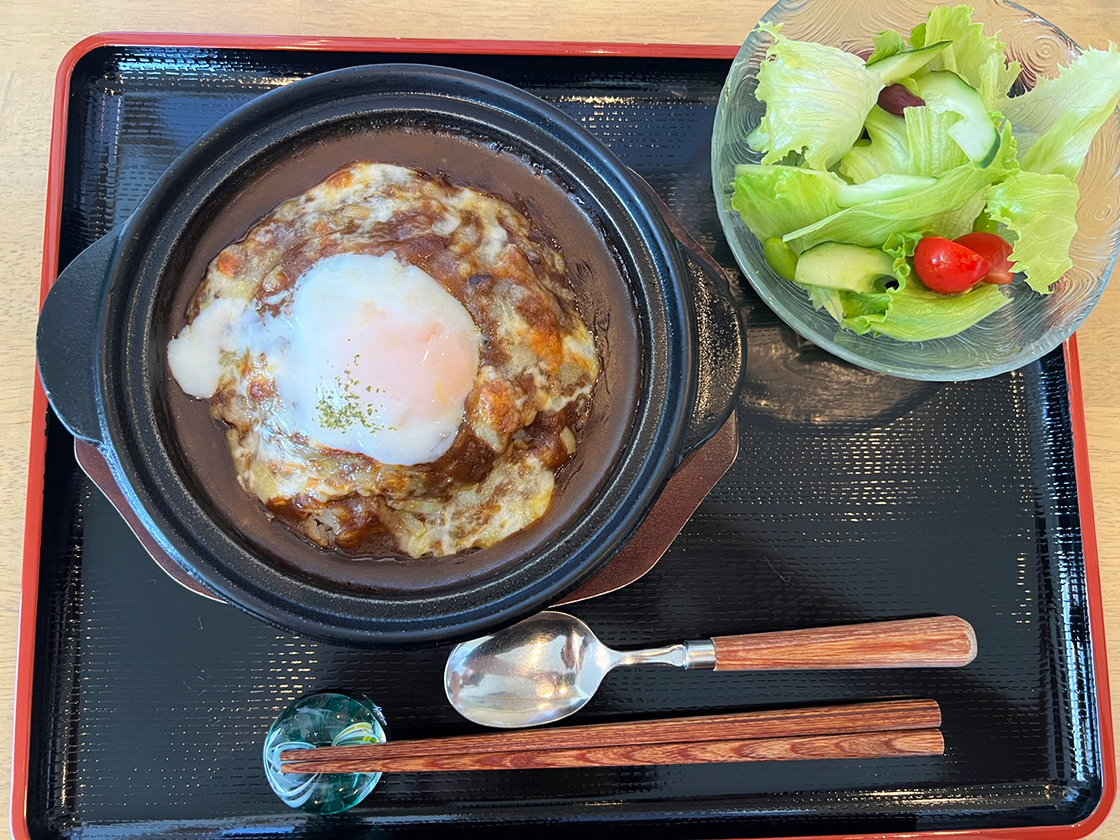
(940, 642)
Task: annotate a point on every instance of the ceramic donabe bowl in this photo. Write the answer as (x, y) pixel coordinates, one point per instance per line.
(668, 334)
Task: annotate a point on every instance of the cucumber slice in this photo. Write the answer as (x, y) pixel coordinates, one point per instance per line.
(850, 268)
(882, 187)
(903, 64)
(976, 134)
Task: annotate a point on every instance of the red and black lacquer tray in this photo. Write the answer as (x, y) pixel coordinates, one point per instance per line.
(854, 497)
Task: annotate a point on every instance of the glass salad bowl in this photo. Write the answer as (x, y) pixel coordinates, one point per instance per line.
(1018, 333)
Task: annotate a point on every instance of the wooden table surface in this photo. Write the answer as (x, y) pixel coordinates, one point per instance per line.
(35, 35)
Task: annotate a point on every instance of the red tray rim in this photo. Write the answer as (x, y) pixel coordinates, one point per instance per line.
(21, 742)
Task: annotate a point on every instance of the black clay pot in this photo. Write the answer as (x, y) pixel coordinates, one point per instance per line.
(668, 332)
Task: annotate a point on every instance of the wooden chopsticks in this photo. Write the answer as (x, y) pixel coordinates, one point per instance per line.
(864, 730)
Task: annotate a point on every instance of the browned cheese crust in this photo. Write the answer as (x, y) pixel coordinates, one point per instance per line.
(523, 416)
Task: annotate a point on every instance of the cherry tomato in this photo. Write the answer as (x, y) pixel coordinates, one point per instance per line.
(996, 250)
(948, 268)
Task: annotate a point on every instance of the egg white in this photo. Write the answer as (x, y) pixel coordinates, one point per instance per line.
(372, 356)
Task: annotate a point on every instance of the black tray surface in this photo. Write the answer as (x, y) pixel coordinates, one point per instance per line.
(855, 497)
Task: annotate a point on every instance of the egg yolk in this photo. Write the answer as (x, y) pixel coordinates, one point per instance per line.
(379, 359)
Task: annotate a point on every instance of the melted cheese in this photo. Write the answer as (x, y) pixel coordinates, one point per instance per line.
(495, 475)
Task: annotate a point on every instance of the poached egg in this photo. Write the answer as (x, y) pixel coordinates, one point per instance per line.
(372, 356)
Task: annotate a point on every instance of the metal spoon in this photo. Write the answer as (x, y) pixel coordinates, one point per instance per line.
(549, 665)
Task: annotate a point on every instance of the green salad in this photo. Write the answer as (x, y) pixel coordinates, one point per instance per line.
(904, 192)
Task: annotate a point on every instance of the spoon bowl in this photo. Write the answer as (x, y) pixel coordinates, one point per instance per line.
(539, 670)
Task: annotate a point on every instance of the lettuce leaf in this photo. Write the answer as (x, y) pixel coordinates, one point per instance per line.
(913, 313)
(960, 221)
(817, 98)
(773, 200)
(978, 59)
(1041, 210)
(917, 144)
(887, 43)
(881, 188)
(1057, 120)
(886, 151)
(872, 223)
(902, 246)
(932, 150)
(826, 299)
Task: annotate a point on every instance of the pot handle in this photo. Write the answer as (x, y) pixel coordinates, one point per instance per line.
(96, 466)
(67, 337)
(720, 346)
